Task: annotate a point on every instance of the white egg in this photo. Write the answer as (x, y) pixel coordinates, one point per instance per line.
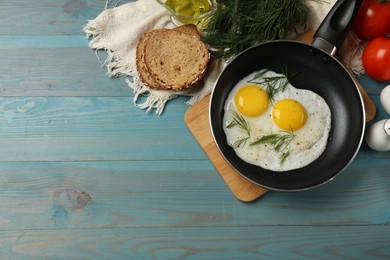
(293, 128)
(385, 98)
(378, 135)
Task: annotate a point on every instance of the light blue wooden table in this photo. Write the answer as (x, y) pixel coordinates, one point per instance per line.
(86, 175)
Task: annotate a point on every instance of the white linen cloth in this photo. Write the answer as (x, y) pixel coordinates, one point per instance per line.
(117, 31)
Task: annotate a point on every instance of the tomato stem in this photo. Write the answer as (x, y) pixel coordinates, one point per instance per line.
(384, 1)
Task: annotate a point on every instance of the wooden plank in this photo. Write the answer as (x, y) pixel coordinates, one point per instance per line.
(47, 17)
(51, 58)
(52, 71)
(92, 128)
(298, 242)
(166, 194)
(98, 128)
(35, 43)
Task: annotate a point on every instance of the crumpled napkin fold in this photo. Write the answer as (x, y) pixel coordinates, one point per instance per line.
(117, 31)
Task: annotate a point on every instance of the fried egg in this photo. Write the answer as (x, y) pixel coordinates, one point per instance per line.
(272, 124)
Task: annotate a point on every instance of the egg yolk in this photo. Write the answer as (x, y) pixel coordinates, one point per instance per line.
(251, 100)
(289, 114)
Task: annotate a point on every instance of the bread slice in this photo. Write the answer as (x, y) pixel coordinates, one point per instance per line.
(142, 70)
(175, 59)
(171, 58)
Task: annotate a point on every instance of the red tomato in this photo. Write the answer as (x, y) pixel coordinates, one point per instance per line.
(372, 19)
(376, 59)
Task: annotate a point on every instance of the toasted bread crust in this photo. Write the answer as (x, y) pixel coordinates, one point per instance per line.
(143, 71)
(171, 58)
(189, 29)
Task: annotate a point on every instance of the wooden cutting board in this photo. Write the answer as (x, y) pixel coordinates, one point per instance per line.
(197, 120)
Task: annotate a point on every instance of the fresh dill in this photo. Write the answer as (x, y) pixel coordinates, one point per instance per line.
(239, 121)
(273, 84)
(283, 156)
(239, 24)
(280, 143)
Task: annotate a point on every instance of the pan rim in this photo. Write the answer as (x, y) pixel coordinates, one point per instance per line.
(361, 111)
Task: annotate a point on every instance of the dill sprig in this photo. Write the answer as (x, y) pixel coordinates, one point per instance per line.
(240, 24)
(280, 143)
(273, 84)
(239, 121)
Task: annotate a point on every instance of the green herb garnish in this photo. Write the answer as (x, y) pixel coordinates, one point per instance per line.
(280, 143)
(239, 121)
(272, 84)
(239, 24)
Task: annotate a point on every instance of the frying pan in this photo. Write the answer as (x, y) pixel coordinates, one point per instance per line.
(316, 69)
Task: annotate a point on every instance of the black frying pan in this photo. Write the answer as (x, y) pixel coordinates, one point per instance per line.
(315, 69)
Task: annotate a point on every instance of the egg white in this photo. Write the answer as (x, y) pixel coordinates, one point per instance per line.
(308, 144)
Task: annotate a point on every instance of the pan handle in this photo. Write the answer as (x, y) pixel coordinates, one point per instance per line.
(335, 27)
